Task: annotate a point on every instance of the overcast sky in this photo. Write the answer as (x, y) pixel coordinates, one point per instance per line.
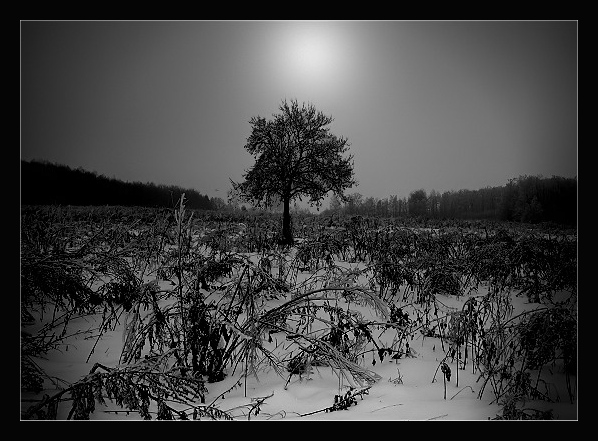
(439, 105)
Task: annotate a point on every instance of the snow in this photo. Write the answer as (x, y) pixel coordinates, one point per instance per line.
(410, 388)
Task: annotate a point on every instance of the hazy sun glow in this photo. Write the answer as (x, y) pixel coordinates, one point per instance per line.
(310, 53)
(314, 55)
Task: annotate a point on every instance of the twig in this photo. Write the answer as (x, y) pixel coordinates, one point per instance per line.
(348, 399)
(439, 416)
(472, 391)
(314, 412)
(385, 407)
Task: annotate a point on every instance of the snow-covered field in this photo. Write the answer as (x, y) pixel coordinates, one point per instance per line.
(408, 388)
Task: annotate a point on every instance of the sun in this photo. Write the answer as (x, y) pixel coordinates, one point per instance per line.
(312, 53)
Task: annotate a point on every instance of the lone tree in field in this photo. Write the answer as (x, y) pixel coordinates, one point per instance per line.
(296, 156)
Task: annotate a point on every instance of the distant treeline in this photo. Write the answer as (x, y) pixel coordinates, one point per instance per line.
(45, 183)
(527, 199)
(532, 199)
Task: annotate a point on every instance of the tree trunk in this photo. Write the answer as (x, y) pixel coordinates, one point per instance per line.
(287, 232)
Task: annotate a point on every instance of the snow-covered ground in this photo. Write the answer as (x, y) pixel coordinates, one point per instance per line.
(409, 388)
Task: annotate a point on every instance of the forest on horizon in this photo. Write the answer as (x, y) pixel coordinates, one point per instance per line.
(528, 199)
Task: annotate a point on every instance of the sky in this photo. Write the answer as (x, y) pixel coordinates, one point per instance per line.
(433, 105)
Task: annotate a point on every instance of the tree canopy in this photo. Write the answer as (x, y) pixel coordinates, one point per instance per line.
(296, 156)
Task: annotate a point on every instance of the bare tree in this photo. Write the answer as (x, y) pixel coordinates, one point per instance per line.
(296, 156)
